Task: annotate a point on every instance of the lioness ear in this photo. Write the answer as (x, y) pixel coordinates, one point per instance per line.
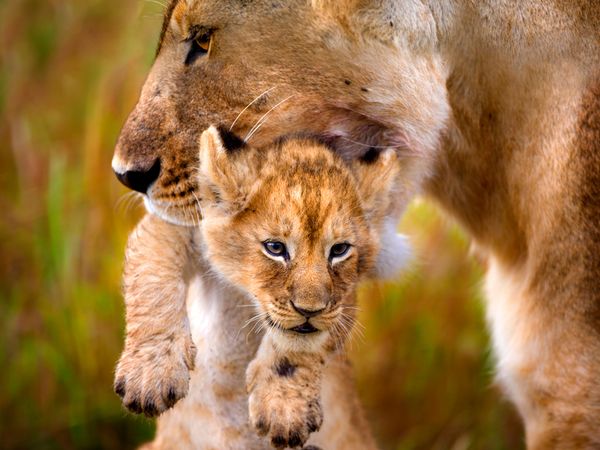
(377, 175)
(227, 169)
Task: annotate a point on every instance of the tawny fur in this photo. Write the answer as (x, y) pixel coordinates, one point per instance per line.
(297, 192)
(493, 106)
(153, 371)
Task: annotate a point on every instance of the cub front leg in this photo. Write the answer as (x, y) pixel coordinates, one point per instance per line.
(284, 394)
(153, 371)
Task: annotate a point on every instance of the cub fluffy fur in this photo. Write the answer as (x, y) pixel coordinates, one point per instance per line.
(293, 229)
(495, 106)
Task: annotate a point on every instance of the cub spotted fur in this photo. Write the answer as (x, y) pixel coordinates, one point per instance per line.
(293, 228)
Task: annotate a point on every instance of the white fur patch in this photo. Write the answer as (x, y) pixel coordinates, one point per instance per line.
(118, 166)
(287, 342)
(513, 326)
(394, 251)
(159, 212)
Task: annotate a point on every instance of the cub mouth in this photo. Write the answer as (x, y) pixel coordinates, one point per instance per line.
(305, 328)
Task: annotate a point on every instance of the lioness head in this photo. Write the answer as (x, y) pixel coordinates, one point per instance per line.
(291, 225)
(357, 75)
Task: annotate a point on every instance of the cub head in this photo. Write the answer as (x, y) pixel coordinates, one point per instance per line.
(294, 226)
(367, 70)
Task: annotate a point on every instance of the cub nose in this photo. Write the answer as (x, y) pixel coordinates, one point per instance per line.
(307, 313)
(139, 180)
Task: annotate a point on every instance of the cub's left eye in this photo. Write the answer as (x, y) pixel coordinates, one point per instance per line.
(276, 249)
(339, 251)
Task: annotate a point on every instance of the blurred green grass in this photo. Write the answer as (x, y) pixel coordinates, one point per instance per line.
(70, 71)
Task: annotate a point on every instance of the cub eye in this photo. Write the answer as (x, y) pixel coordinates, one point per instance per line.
(276, 249)
(339, 250)
(199, 46)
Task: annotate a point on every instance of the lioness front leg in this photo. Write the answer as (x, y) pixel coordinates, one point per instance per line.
(153, 371)
(284, 394)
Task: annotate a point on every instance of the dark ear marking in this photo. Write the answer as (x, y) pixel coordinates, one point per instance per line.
(371, 156)
(231, 141)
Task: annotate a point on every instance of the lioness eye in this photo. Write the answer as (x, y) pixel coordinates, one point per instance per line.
(338, 250)
(277, 249)
(199, 46)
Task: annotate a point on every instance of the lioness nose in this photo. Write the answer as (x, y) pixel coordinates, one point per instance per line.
(140, 180)
(307, 313)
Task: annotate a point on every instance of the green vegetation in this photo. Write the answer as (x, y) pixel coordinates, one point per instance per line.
(69, 74)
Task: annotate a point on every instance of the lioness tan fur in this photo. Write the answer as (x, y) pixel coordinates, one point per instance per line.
(325, 220)
(493, 104)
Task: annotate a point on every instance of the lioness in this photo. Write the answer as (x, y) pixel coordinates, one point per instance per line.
(292, 230)
(494, 107)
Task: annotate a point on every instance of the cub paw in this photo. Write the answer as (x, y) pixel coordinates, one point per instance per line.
(152, 377)
(284, 402)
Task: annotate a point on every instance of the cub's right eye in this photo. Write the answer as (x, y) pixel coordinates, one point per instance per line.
(276, 250)
(199, 46)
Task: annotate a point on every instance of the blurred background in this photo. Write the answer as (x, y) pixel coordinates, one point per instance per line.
(70, 72)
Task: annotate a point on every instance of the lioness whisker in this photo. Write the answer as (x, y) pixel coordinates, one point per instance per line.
(249, 105)
(157, 2)
(352, 307)
(187, 211)
(362, 144)
(126, 200)
(262, 120)
(199, 207)
(154, 16)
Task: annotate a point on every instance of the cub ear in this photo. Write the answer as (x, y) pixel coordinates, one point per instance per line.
(378, 179)
(227, 169)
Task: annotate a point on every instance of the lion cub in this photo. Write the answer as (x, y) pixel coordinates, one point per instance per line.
(292, 229)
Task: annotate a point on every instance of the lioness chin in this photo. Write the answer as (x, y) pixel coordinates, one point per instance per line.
(493, 108)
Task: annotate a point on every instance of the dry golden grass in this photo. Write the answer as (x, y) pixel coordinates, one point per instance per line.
(69, 74)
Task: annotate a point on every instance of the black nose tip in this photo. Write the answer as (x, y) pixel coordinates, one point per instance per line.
(140, 180)
(308, 313)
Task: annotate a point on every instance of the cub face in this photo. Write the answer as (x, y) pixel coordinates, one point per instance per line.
(280, 64)
(292, 225)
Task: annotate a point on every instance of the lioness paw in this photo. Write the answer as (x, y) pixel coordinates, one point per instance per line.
(152, 377)
(284, 403)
